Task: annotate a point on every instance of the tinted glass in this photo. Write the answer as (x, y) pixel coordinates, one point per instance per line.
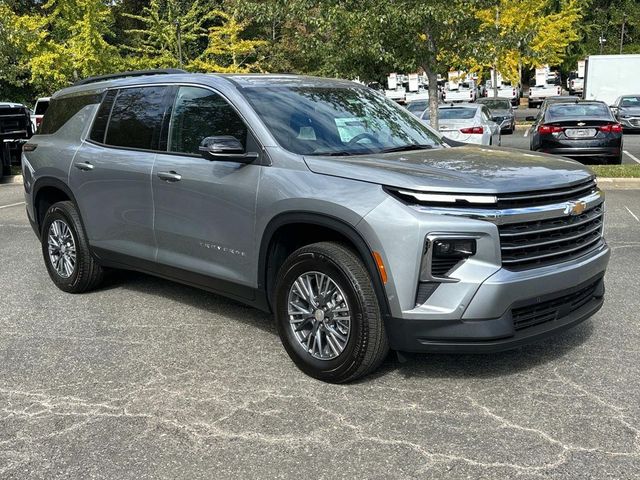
(99, 127)
(41, 107)
(199, 113)
(578, 110)
(417, 107)
(337, 121)
(630, 102)
(61, 110)
(456, 113)
(497, 104)
(136, 118)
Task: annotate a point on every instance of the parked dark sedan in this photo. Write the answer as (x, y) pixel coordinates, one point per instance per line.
(501, 112)
(583, 130)
(627, 112)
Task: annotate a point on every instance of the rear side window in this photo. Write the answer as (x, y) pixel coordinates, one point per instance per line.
(61, 110)
(199, 113)
(136, 118)
(99, 128)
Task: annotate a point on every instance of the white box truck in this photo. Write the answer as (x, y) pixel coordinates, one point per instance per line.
(609, 76)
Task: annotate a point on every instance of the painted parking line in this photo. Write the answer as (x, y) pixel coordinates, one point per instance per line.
(12, 205)
(632, 214)
(632, 157)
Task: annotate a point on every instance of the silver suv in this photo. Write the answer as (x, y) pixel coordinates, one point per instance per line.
(319, 200)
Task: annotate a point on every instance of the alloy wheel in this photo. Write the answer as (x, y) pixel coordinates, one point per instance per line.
(62, 248)
(319, 315)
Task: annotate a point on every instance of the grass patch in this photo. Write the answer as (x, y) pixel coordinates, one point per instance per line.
(15, 170)
(616, 171)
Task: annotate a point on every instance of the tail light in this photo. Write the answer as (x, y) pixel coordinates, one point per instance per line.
(38, 121)
(611, 128)
(470, 94)
(547, 129)
(559, 92)
(479, 130)
(513, 92)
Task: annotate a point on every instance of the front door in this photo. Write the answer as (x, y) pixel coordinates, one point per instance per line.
(205, 210)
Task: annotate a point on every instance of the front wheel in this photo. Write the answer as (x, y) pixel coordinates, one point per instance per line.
(327, 313)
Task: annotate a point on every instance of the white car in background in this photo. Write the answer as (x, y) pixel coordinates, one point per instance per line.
(467, 123)
(38, 111)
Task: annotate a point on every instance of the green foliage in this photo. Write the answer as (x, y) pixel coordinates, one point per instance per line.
(48, 45)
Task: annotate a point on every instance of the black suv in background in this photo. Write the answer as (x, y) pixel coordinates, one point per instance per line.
(15, 129)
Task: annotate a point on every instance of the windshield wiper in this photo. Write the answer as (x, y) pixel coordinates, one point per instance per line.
(406, 148)
(338, 153)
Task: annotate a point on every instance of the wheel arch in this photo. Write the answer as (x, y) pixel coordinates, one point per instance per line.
(331, 228)
(46, 192)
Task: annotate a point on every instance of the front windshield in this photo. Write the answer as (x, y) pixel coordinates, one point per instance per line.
(497, 104)
(456, 113)
(630, 102)
(311, 120)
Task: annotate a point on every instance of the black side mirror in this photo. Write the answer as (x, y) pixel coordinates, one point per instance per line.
(225, 148)
(530, 119)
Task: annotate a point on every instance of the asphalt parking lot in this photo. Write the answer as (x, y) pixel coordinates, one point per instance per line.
(148, 379)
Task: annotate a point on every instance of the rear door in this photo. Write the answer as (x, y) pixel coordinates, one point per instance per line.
(111, 173)
(205, 210)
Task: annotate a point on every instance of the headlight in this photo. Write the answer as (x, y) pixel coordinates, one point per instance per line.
(454, 248)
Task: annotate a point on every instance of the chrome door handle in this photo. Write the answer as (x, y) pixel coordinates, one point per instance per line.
(170, 176)
(86, 166)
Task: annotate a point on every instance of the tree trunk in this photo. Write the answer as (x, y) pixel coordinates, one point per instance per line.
(433, 95)
(494, 81)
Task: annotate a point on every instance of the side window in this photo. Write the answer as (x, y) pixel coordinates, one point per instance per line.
(199, 113)
(61, 110)
(99, 127)
(136, 117)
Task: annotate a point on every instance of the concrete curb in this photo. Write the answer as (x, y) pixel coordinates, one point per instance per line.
(619, 183)
(10, 179)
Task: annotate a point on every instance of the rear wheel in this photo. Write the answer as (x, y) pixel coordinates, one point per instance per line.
(327, 313)
(66, 250)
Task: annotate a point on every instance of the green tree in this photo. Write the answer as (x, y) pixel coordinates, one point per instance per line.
(66, 41)
(526, 33)
(171, 34)
(226, 50)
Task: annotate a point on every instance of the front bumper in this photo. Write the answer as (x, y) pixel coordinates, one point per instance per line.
(489, 323)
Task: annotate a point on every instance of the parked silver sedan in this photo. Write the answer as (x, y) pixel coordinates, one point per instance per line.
(467, 123)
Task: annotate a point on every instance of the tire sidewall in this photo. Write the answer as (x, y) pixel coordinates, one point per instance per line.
(59, 212)
(322, 369)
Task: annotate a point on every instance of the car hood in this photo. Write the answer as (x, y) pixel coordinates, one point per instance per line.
(459, 169)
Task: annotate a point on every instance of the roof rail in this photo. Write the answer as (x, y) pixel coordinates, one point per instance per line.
(133, 73)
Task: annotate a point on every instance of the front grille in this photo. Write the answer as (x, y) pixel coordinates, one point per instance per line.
(546, 197)
(550, 310)
(544, 242)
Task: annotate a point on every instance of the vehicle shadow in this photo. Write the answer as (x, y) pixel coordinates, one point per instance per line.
(416, 365)
(193, 297)
(487, 365)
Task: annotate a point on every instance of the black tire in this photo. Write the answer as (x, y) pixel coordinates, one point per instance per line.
(86, 273)
(367, 344)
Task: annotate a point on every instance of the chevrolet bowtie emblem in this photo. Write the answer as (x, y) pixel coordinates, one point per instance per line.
(575, 208)
(581, 124)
